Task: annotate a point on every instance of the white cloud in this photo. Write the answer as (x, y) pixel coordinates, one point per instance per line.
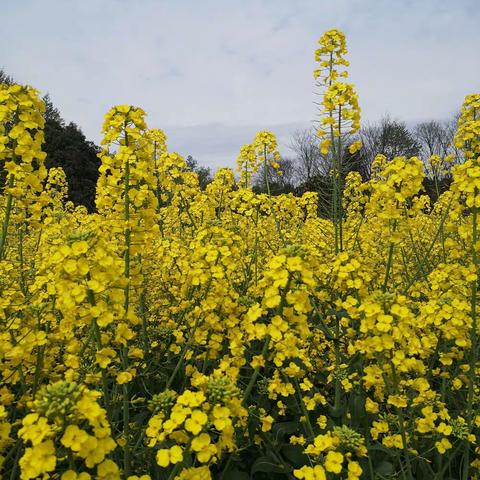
(211, 72)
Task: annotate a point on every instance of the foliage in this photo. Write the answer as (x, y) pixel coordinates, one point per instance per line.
(204, 174)
(66, 147)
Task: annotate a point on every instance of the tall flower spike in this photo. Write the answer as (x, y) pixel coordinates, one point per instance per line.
(339, 117)
(247, 164)
(340, 111)
(266, 146)
(468, 133)
(21, 138)
(330, 57)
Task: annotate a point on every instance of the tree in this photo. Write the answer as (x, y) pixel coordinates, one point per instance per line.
(67, 147)
(52, 113)
(451, 126)
(391, 138)
(431, 137)
(5, 78)
(308, 160)
(310, 163)
(281, 180)
(204, 173)
(436, 138)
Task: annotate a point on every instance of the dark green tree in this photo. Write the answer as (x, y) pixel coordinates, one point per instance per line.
(67, 147)
(204, 173)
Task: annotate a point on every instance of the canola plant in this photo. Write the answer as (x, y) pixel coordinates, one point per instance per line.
(184, 334)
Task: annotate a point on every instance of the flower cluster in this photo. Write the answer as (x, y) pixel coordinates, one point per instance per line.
(340, 110)
(65, 417)
(197, 423)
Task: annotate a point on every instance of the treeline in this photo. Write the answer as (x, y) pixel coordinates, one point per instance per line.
(66, 147)
(306, 169)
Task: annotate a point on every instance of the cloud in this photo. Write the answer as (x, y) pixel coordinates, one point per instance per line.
(218, 145)
(212, 72)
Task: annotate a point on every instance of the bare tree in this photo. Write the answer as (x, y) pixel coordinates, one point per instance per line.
(308, 159)
(289, 172)
(451, 126)
(435, 138)
(391, 138)
(430, 136)
(5, 78)
(283, 182)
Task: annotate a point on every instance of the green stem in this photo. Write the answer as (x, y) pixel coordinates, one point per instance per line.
(182, 355)
(143, 315)
(430, 248)
(267, 185)
(39, 362)
(473, 346)
(402, 425)
(13, 473)
(227, 466)
(6, 218)
(23, 283)
(175, 470)
(126, 400)
(98, 339)
(338, 384)
(256, 372)
(389, 259)
(309, 427)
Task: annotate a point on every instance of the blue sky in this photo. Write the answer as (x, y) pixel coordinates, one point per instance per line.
(213, 72)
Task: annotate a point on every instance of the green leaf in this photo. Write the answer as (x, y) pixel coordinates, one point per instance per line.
(294, 454)
(268, 465)
(236, 474)
(357, 409)
(253, 425)
(281, 429)
(384, 468)
(381, 448)
(337, 413)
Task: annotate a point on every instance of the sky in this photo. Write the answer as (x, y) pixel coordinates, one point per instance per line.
(211, 73)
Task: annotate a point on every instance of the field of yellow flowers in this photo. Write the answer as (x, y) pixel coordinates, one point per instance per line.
(221, 334)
